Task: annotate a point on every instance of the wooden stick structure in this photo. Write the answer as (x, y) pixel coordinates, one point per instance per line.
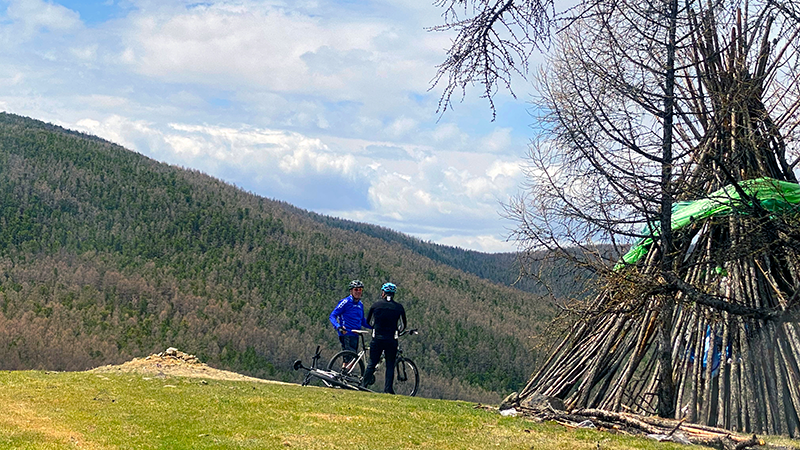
(735, 289)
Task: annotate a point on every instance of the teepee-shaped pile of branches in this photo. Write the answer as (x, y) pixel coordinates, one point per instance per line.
(735, 343)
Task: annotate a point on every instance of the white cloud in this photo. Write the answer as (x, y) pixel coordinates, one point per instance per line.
(402, 125)
(133, 135)
(434, 192)
(448, 132)
(487, 243)
(246, 150)
(12, 79)
(498, 141)
(507, 169)
(273, 48)
(31, 16)
(265, 47)
(396, 196)
(87, 53)
(104, 101)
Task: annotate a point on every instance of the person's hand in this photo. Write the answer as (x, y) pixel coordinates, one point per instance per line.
(342, 330)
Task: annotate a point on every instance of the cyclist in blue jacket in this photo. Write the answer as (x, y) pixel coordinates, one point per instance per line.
(349, 315)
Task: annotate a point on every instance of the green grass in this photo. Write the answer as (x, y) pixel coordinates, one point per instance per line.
(45, 410)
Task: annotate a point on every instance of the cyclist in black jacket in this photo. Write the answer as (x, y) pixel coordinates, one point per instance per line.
(387, 318)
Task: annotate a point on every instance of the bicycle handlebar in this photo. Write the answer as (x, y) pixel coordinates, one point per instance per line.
(402, 333)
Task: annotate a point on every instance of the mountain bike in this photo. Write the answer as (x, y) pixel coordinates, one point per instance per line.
(351, 364)
(329, 378)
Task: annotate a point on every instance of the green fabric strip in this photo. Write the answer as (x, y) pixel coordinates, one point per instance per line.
(772, 195)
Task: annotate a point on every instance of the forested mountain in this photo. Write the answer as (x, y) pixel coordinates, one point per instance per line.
(560, 279)
(106, 255)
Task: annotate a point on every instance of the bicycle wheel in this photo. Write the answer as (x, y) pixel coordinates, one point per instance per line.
(342, 363)
(406, 377)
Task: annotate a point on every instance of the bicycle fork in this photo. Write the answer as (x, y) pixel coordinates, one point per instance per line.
(401, 371)
(314, 362)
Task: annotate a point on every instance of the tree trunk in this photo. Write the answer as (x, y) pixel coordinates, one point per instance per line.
(666, 385)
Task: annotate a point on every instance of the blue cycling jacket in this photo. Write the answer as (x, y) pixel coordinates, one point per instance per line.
(349, 314)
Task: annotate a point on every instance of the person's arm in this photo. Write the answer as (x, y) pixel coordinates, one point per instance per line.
(365, 322)
(403, 323)
(402, 320)
(336, 313)
(369, 319)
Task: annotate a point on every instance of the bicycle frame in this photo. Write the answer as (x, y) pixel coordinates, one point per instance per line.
(363, 354)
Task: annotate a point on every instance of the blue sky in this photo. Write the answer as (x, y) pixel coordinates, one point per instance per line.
(95, 13)
(322, 104)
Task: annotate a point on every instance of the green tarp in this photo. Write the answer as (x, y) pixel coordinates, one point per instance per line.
(773, 195)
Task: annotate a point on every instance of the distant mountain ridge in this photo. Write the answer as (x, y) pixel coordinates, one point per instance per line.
(106, 255)
(467, 260)
(558, 279)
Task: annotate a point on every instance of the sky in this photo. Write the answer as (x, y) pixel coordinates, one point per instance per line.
(325, 104)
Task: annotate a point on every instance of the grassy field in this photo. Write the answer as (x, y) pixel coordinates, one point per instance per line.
(46, 410)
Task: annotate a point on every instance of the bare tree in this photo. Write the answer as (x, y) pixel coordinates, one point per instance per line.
(493, 43)
(607, 164)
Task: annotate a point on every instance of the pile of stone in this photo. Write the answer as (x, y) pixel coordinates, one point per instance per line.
(174, 354)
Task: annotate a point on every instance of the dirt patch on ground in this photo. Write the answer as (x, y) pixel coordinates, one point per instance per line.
(174, 362)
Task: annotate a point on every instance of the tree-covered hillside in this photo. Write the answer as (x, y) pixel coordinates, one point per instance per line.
(557, 278)
(107, 255)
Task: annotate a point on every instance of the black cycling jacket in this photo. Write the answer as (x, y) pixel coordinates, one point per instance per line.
(385, 317)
